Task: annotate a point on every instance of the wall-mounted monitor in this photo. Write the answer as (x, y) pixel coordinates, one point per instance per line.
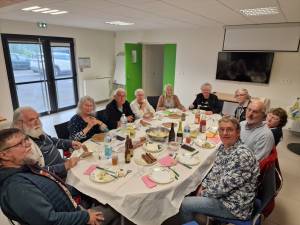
(245, 66)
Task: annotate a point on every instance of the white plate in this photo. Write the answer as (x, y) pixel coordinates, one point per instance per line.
(188, 159)
(101, 176)
(161, 175)
(137, 158)
(205, 144)
(152, 147)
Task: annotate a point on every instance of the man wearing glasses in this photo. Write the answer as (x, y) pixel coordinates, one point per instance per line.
(32, 195)
(255, 133)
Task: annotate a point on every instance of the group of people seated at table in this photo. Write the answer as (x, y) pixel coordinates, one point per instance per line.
(32, 171)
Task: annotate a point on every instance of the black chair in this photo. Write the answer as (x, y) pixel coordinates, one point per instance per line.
(62, 130)
(101, 115)
(153, 100)
(63, 133)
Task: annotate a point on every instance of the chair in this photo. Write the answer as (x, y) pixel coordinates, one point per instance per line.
(153, 100)
(267, 190)
(62, 130)
(101, 115)
(63, 133)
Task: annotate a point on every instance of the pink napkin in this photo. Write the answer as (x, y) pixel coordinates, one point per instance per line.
(149, 183)
(167, 161)
(215, 139)
(90, 169)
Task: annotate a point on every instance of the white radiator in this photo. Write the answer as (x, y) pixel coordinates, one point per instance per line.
(98, 89)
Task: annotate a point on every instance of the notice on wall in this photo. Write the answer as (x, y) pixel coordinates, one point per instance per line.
(84, 62)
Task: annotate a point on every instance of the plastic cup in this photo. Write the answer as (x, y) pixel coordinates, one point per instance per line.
(188, 139)
(114, 159)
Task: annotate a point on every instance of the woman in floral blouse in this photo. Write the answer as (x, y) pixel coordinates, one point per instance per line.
(229, 189)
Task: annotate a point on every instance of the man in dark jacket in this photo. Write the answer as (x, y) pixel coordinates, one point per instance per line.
(118, 106)
(33, 196)
(206, 100)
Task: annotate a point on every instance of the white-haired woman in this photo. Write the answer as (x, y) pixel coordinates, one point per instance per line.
(206, 100)
(118, 106)
(140, 105)
(84, 124)
(243, 98)
(169, 100)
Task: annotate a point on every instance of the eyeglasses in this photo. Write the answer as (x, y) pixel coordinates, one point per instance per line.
(21, 143)
(224, 130)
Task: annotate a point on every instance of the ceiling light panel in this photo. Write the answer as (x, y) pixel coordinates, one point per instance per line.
(260, 11)
(38, 9)
(31, 8)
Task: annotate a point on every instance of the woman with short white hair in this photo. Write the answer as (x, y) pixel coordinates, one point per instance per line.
(118, 106)
(84, 124)
(140, 105)
(206, 100)
(243, 99)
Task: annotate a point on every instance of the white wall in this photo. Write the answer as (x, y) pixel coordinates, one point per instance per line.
(153, 58)
(96, 44)
(197, 52)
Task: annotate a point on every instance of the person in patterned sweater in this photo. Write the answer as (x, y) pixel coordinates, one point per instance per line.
(229, 189)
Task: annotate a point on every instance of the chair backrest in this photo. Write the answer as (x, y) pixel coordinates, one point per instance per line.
(101, 115)
(153, 100)
(62, 130)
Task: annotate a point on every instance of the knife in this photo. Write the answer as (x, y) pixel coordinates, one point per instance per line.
(195, 153)
(174, 171)
(111, 173)
(187, 166)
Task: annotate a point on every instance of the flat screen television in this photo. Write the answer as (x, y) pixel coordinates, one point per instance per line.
(245, 66)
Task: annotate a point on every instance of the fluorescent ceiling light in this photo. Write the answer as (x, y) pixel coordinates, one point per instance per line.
(59, 12)
(51, 11)
(119, 23)
(31, 8)
(260, 11)
(40, 10)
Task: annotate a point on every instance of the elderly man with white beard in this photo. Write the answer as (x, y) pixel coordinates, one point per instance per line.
(28, 120)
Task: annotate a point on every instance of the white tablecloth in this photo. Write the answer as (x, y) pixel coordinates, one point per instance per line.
(129, 195)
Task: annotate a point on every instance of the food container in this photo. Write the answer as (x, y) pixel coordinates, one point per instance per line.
(158, 133)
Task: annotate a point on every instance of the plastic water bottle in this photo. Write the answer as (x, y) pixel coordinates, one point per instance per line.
(107, 147)
(123, 123)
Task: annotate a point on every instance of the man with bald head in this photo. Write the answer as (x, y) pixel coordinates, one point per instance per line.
(255, 133)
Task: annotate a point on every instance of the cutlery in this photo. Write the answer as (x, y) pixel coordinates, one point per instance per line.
(174, 171)
(95, 142)
(128, 171)
(111, 173)
(187, 166)
(195, 153)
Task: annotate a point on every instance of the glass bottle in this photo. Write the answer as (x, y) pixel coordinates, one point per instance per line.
(127, 150)
(172, 133)
(202, 128)
(180, 133)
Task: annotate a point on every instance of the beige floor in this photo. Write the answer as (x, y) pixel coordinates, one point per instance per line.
(287, 209)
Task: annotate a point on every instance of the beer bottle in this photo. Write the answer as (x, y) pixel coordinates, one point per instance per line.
(130, 145)
(180, 133)
(172, 133)
(127, 150)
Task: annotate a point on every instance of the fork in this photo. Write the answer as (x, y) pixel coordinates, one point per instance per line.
(128, 171)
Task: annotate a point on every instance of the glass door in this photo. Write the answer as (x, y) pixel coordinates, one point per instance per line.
(41, 72)
(63, 74)
(29, 75)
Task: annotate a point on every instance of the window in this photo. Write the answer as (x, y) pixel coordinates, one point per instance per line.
(41, 72)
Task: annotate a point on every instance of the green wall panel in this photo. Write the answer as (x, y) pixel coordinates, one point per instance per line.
(133, 70)
(169, 64)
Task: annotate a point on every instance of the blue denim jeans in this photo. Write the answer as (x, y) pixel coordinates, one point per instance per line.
(203, 205)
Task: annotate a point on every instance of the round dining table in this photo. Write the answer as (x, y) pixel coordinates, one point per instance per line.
(129, 194)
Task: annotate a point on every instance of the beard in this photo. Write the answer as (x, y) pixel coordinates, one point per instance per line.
(33, 132)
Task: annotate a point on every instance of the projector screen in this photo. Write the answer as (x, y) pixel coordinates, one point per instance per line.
(269, 37)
